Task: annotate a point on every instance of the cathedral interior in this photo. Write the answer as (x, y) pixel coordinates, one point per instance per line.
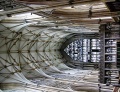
(59, 45)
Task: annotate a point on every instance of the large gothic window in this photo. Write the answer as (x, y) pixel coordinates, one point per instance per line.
(84, 50)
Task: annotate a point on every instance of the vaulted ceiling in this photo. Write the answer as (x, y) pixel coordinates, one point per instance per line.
(33, 31)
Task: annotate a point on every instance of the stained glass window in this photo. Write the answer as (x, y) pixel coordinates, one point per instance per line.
(84, 50)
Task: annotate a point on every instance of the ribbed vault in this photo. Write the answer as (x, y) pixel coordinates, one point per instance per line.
(27, 50)
(30, 44)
